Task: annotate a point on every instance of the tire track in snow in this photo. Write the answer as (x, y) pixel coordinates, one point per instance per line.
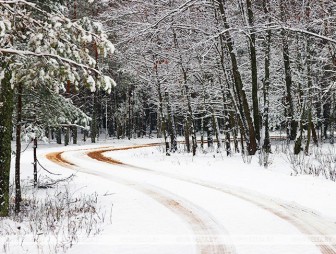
(307, 223)
(205, 229)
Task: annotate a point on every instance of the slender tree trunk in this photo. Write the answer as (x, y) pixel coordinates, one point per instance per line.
(193, 129)
(332, 120)
(59, 135)
(35, 161)
(309, 131)
(216, 129)
(227, 125)
(254, 70)
(242, 135)
(129, 115)
(266, 139)
(94, 126)
(314, 135)
(244, 109)
(298, 140)
(18, 198)
(6, 110)
(210, 135)
(203, 115)
(186, 134)
(202, 132)
(66, 136)
(291, 123)
(171, 122)
(74, 135)
(163, 119)
(309, 85)
(190, 116)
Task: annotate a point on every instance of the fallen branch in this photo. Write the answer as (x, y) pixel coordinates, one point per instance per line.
(48, 185)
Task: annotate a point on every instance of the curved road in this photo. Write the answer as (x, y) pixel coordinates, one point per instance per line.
(192, 200)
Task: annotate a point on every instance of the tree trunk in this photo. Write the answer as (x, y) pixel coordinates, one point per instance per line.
(190, 117)
(298, 140)
(266, 139)
(314, 136)
(35, 162)
(171, 123)
(309, 131)
(6, 110)
(18, 198)
(186, 134)
(67, 136)
(332, 121)
(234, 127)
(291, 123)
(254, 71)
(226, 124)
(163, 120)
(94, 118)
(202, 132)
(216, 129)
(59, 135)
(243, 105)
(129, 115)
(74, 135)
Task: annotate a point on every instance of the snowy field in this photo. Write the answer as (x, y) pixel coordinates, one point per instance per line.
(140, 201)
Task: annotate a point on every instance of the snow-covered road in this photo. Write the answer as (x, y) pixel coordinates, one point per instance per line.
(173, 213)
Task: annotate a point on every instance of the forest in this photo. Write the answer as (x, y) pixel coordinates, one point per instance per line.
(231, 75)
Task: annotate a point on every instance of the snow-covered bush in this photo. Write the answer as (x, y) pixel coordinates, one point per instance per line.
(52, 219)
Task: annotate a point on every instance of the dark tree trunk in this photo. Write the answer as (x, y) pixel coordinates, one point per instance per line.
(18, 198)
(67, 136)
(234, 126)
(74, 135)
(171, 123)
(94, 126)
(6, 110)
(190, 117)
(59, 135)
(186, 134)
(202, 133)
(129, 115)
(298, 140)
(216, 129)
(254, 71)
(35, 162)
(314, 135)
(291, 123)
(266, 142)
(309, 131)
(227, 125)
(163, 120)
(243, 105)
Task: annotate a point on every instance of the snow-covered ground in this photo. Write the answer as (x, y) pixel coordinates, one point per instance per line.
(182, 204)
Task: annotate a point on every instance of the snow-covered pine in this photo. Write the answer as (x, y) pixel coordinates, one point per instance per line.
(63, 47)
(43, 48)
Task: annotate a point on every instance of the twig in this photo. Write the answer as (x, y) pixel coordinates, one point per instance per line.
(27, 146)
(47, 169)
(57, 181)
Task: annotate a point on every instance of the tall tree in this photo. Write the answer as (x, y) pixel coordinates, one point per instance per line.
(55, 43)
(6, 108)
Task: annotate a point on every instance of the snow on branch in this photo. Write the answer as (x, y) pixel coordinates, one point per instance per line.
(178, 9)
(48, 55)
(309, 33)
(51, 16)
(16, 2)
